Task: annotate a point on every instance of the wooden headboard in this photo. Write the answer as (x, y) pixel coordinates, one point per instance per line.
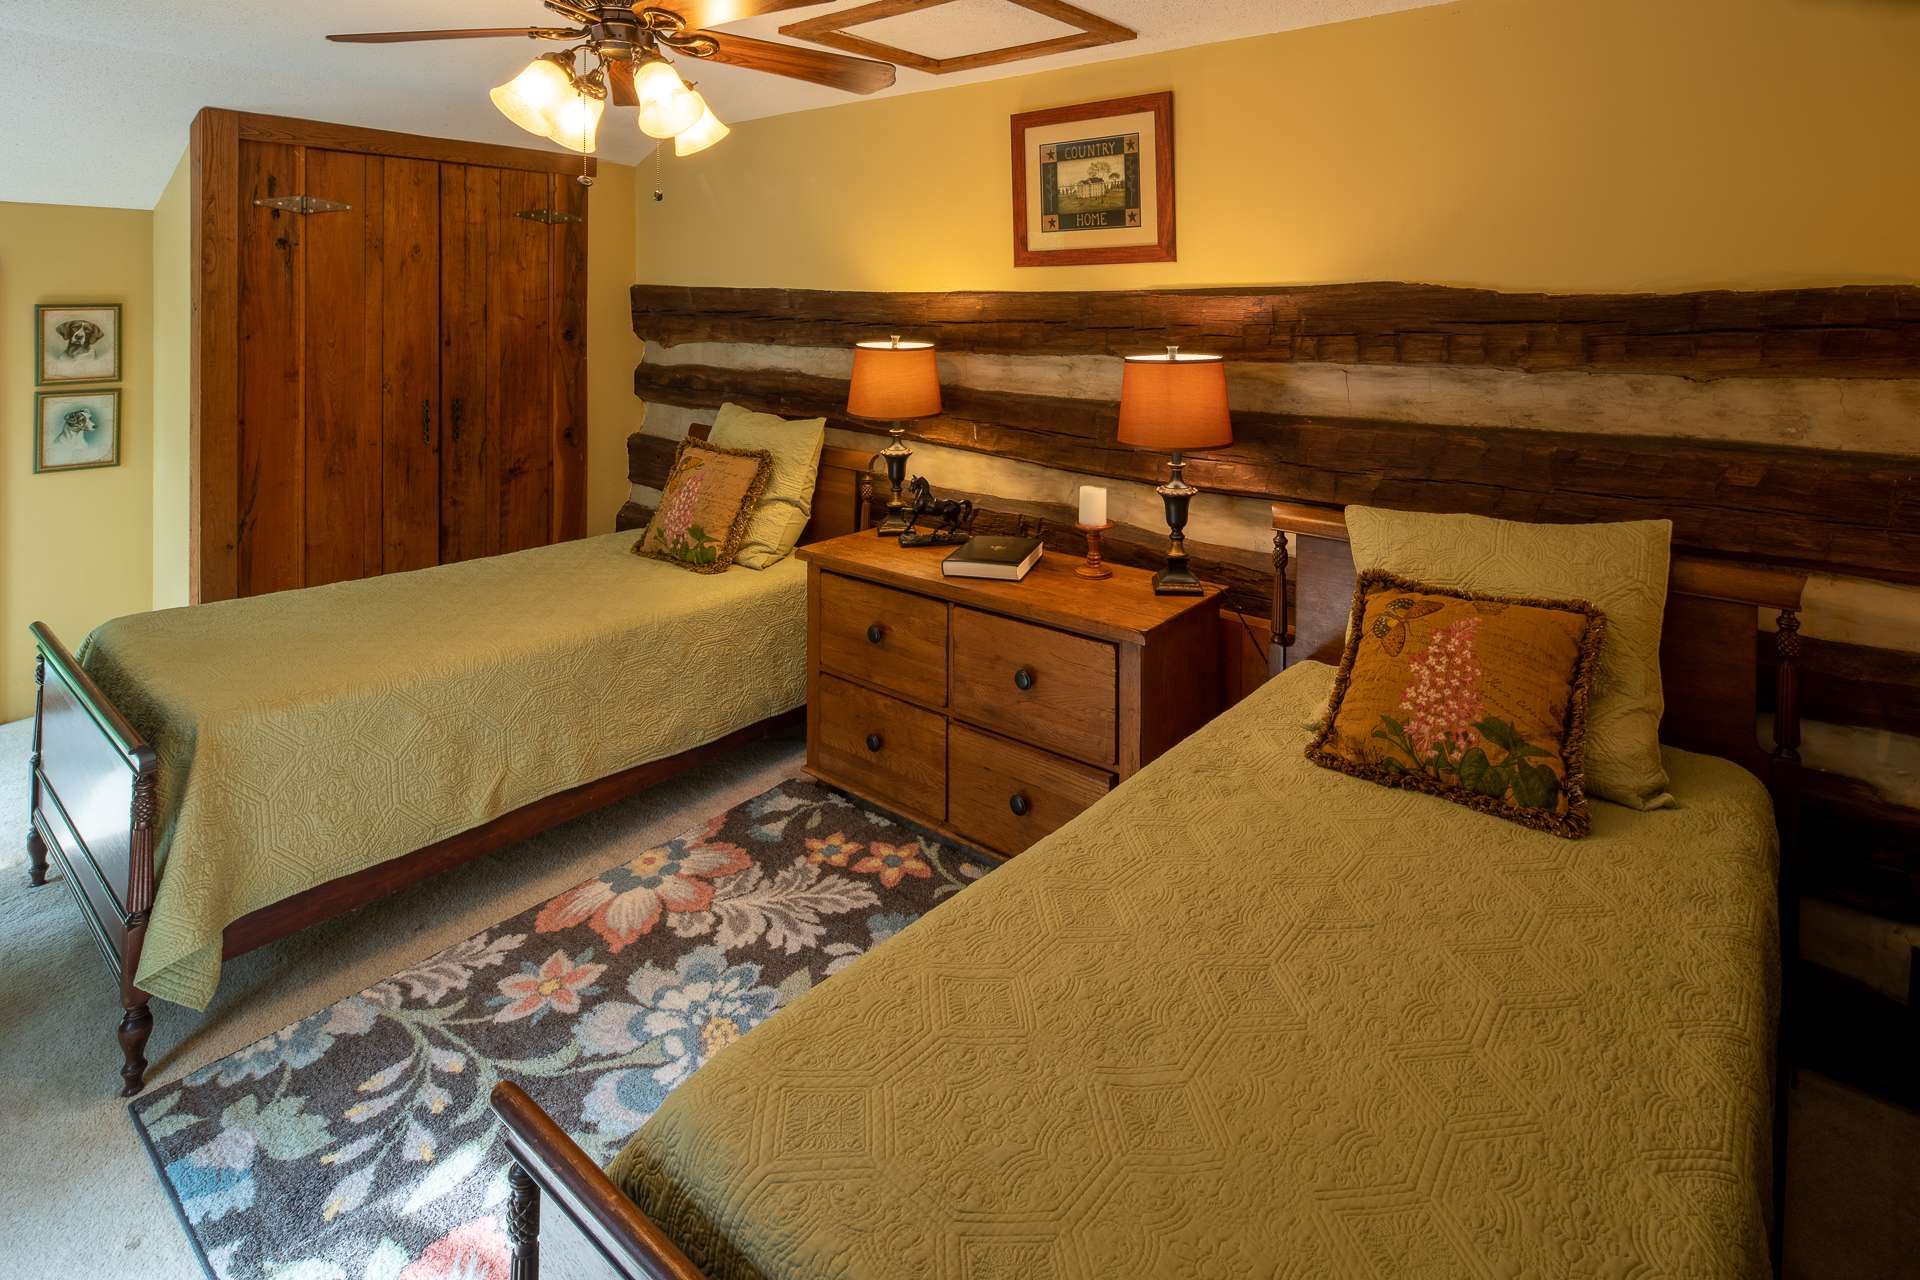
(841, 491)
(1709, 668)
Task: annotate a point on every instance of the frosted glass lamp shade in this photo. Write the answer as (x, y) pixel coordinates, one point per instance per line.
(575, 123)
(705, 131)
(1174, 401)
(894, 380)
(667, 106)
(530, 97)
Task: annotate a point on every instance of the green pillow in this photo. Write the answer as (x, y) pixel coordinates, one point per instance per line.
(787, 503)
(1621, 569)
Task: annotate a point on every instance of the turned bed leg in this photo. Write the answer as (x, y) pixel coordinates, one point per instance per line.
(523, 1222)
(36, 859)
(135, 1027)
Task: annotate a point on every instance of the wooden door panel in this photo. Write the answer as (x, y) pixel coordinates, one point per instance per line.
(519, 332)
(469, 484)
(268, 540)
(412, 415)
(568, 293)
(342, 322)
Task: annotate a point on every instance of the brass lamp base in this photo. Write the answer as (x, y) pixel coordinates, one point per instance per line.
(896, 454)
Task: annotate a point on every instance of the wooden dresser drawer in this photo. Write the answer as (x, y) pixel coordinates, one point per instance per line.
(1007, 796)
(893, 639)
(1034, 683)
(882, 746)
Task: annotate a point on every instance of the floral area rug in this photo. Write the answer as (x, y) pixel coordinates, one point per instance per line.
(357, 1144)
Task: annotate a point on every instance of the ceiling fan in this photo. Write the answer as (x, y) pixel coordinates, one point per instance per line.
(554, 97)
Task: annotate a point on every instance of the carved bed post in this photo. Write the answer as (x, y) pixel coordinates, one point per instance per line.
(137, 1023)
(1282, 620)
(523, 1222)
(36, 847)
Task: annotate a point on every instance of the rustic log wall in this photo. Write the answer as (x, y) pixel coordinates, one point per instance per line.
(1780, 426)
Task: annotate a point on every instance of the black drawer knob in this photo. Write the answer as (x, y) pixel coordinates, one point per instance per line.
(1019, 805)
(1023, 679)
(873, 742)
(874, 633)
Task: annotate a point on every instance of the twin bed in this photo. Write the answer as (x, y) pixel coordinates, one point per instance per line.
(1250, 1017)
(212, 778)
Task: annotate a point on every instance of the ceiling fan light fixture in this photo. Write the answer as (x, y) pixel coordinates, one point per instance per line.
(701, 134)
(531, 98)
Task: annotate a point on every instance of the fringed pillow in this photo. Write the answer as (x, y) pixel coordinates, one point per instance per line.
(1479, 699)
(706, 506)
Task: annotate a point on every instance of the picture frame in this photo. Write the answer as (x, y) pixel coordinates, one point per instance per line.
(76, 430)
(77, 342)
(1094, 183)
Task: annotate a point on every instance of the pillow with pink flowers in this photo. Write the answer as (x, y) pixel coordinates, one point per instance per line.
(1479, 699)
(706, 505)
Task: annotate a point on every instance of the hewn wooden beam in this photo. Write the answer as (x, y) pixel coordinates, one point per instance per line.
(1849, 684)
(1857, 331)
(1829, 508)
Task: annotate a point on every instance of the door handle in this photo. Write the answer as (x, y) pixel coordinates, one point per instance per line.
(458, 411)
(426, 422)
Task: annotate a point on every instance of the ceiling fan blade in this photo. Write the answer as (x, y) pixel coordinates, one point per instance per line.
(697, 15)
(476, 33)
(834, 70)
(620, 90)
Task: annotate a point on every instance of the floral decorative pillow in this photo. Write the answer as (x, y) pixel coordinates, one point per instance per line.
(1479, 699)
(706, 506)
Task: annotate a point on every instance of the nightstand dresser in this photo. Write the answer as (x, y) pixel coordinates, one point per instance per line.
(992, 711)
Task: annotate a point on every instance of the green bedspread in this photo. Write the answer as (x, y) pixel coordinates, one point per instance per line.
(1248, 1017)
(311, 734)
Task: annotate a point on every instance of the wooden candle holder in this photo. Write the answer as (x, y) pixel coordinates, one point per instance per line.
(1093, 568)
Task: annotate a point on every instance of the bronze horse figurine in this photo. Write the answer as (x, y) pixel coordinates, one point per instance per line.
(954, 517)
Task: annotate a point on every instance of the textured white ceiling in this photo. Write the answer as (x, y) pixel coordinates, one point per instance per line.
(97, 94)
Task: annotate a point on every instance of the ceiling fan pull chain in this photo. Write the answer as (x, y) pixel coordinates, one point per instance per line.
(658, 194)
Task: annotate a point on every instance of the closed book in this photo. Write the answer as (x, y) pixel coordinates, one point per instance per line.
(987, 556)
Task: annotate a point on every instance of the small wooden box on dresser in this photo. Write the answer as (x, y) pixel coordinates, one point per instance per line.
(995, 711)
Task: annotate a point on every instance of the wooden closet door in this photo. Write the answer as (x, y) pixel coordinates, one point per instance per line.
(469, 471)
(412, 415)
(519, 350)
(270, 450)
(341, 317)
(569, 299)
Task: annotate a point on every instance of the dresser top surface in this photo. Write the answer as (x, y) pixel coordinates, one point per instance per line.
(1122, 607)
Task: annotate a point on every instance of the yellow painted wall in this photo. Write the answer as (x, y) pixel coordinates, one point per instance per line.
(1520, 144)
(172, 388)
(74, 546)
(612, 350)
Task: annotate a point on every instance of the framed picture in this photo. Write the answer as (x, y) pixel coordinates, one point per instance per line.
(78, 343)
(74, 430)
(1094, 183)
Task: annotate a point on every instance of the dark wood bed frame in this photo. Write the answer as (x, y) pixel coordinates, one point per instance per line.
(1710, 673)
(93, 801)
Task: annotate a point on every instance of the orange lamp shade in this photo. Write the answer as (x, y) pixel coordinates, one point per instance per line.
(894, 380)
(1174, 401)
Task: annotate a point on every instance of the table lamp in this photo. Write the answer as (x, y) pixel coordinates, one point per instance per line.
(893, 381)
(1175, 402)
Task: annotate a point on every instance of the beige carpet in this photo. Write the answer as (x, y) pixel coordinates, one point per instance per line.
(78, 1198)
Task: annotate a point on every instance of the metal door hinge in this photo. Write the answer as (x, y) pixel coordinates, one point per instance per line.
(549, 216)
(302, 204)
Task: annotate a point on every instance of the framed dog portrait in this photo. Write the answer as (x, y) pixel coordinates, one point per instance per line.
(1094, 183)
(74, 430)
(78, 343)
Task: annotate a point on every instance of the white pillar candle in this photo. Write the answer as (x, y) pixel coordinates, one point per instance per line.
(1093, 505)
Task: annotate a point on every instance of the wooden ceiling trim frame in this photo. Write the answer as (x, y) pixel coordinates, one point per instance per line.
(1860, 331)
(831, 29)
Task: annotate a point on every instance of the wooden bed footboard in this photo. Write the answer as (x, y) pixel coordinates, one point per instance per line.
(91, 810)
(547, 1162)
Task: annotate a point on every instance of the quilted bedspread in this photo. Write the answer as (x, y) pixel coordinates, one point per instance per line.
(310, 734)
(1248, 1017)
